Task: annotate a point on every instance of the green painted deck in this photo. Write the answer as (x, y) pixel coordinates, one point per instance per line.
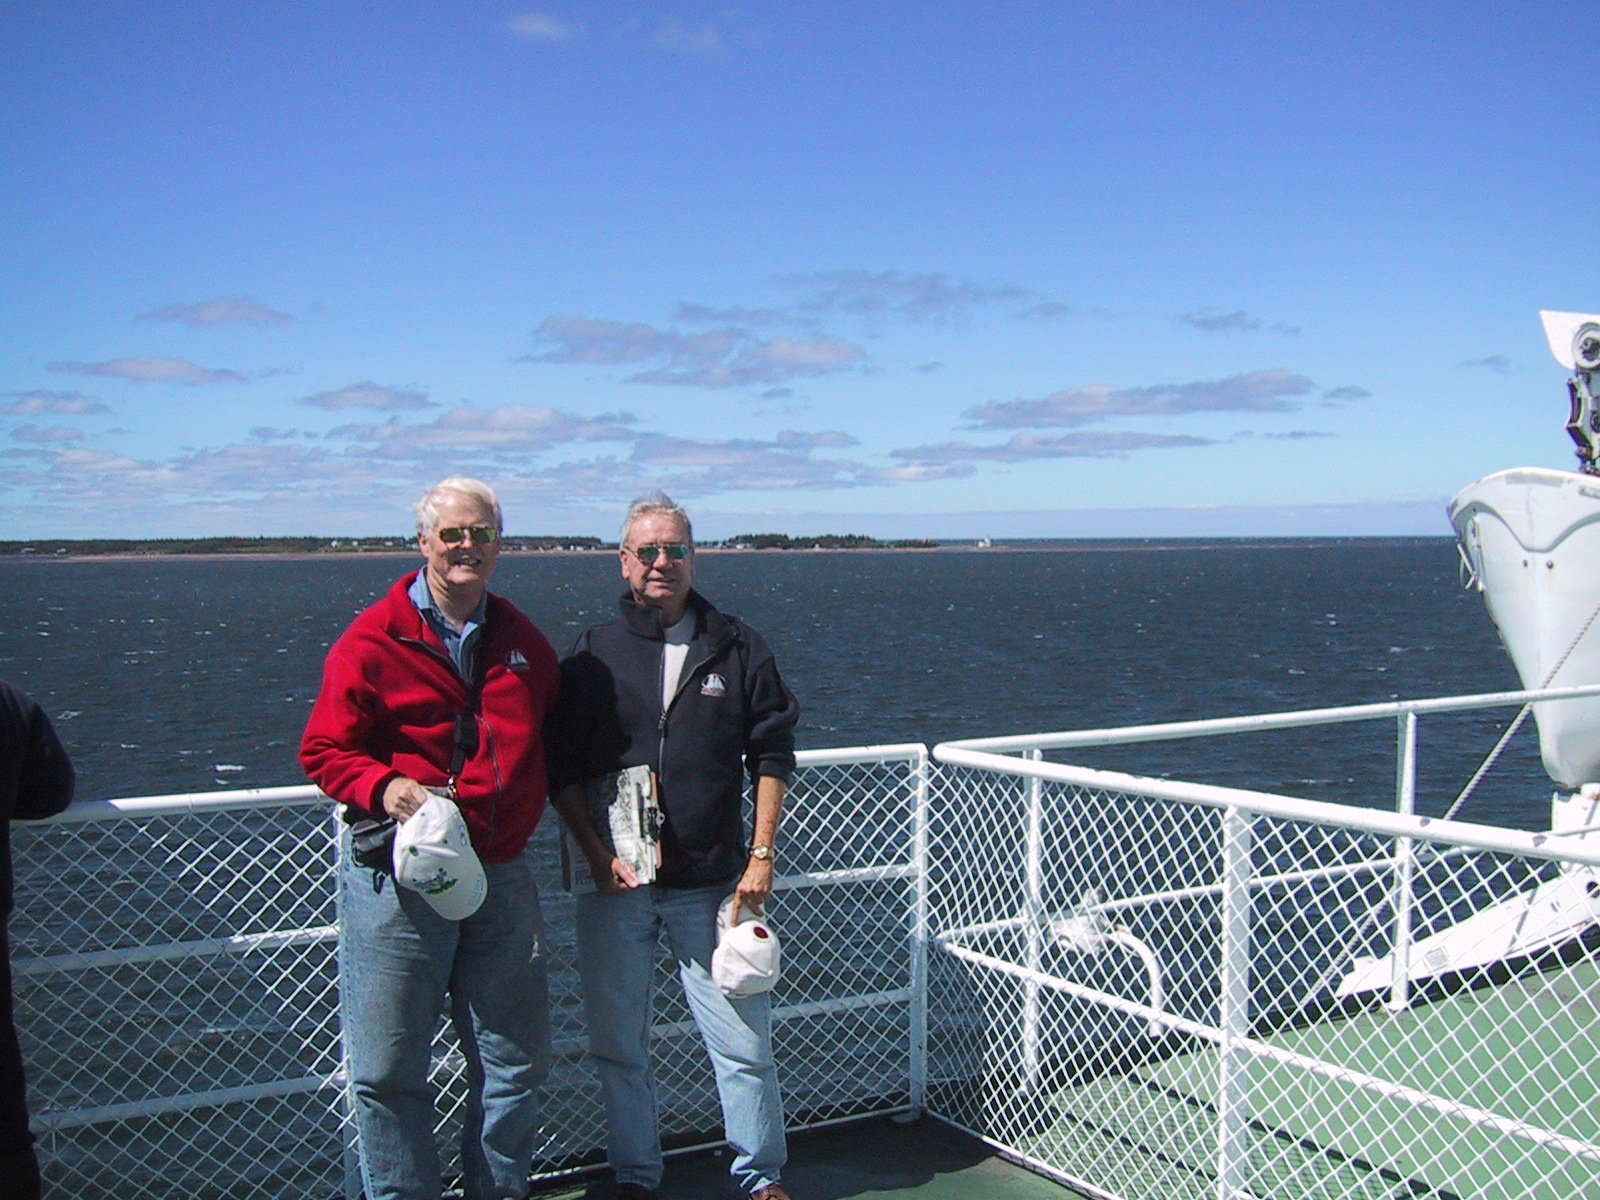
(1315, 1137)
(1151, 1134)
(876, 1159)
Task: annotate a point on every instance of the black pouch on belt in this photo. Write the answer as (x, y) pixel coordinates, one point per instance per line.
(372, 843)
(372, 838)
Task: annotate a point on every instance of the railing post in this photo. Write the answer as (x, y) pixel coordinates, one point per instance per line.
(920, 814)
(1405, 856)
(1233, 1018)
(1033, 927)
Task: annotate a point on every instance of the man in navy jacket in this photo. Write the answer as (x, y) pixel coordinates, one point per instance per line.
(35, 781)
(695, 695)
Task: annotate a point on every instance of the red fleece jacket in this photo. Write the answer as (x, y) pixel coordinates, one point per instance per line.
(389, 700)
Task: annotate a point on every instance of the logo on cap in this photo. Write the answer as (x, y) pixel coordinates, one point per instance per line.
(433, 856)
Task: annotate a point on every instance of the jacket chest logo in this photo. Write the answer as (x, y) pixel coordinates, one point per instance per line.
(517, 661)
(713, 685)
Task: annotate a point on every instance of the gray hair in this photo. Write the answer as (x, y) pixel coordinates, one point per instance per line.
(427, 508)
(657, 503)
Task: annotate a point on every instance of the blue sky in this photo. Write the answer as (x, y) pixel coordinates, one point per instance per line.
(948, 269)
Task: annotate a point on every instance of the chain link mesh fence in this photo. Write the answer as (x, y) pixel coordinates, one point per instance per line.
(1165, 1000)
(177, 992)
(1149, 997)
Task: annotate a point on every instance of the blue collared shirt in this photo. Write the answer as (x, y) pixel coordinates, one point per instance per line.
(459, 642)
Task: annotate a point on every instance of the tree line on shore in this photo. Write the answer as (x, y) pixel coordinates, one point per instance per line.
(89, 547)
(824, 541)
(47, 547)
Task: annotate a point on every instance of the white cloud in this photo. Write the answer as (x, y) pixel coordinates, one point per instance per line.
(1027, 447)
(282, 487)
(370, 395)
(696, 466)
(507, 433)
(920, 472)
(52, 404)
(1271, 390)
(726, 345)
(1209, 320)
(934, 297)
(704, 314)
(572, 339)
(152, 370)
(1499, 364)
(929, 297)
(544, 27)
(54, 433)
(731, 356)
(206, 313)
(1045, 310)
(76, 479)
(675, 37)
(262, 470)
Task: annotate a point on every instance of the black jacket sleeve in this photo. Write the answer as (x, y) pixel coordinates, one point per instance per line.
(773, 713)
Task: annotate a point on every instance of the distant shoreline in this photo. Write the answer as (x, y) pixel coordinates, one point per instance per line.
(1012, 546)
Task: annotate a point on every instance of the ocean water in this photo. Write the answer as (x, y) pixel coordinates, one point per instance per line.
(176, 675)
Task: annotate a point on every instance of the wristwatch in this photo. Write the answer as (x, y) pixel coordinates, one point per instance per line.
(764, 853)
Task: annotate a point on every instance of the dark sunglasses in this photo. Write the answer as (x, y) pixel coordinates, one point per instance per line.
(676, 551)
(481, 535)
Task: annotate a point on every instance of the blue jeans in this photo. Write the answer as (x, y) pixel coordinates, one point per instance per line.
(616, 959)
(397, 960)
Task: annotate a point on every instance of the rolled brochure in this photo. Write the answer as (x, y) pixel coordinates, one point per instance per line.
(627, 815)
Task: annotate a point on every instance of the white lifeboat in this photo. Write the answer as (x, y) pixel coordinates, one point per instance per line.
(1530, 538)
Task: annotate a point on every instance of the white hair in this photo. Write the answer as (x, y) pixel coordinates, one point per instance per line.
(427, 508)
(659, 504)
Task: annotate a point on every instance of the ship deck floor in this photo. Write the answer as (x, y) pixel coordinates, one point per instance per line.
(1310, 1136)
(876, 1159)
(1317, 1137)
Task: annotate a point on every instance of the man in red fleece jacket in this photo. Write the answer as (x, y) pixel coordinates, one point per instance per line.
(441, 686)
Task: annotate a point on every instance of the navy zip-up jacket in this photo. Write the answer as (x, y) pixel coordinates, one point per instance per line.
(731, 716)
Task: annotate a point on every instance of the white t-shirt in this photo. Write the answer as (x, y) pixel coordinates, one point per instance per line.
(673, 655)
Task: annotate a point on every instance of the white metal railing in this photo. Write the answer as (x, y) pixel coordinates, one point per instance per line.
(1130, 983)
(1235, 1069)
(176, 979)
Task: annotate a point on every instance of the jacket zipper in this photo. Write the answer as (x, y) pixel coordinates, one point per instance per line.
(684, 680)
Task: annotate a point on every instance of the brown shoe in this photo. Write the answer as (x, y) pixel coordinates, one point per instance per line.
(634, 1191)
(773, 1191)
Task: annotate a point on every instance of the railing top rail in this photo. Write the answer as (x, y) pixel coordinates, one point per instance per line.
(84, 811)
(1291, 808)
(894, 752)
(306, 794)
(1172, 731)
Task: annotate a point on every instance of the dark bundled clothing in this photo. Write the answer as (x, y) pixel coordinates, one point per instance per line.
(35, 774)
(35, 782)
(731, 715)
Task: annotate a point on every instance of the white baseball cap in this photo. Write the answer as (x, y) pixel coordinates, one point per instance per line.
(433, 855)
(747, 960)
